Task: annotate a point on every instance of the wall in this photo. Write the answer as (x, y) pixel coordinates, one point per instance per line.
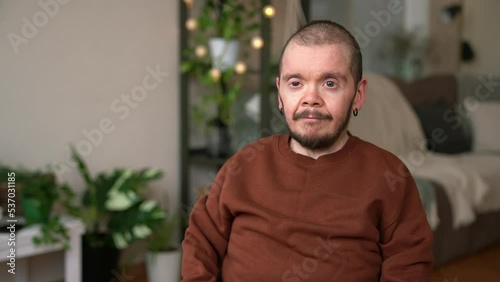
(445, 39)
(330, 10)
(374, 22)
(68, 69)
(416, 16)
(480, 21)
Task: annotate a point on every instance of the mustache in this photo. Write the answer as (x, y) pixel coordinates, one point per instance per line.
(314, 114)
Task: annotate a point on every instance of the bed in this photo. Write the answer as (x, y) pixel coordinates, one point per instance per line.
(457, 176)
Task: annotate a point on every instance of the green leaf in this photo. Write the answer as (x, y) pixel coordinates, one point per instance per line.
(186, 67)
(163, 235)
(82, 167)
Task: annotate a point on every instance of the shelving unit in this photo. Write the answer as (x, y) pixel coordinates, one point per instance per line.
(26, 249)
(190, 156)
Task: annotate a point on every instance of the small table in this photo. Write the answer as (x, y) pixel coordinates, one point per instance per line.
(25, 249)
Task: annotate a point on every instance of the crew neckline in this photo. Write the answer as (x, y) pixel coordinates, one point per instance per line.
(284, 149)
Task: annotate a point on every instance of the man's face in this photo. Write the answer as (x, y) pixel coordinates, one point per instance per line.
(317, 92)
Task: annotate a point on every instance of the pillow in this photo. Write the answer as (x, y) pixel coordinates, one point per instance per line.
(387, 119)
(486, 132)
(440, 122)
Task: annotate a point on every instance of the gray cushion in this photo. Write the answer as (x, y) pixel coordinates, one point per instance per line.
(443, 129)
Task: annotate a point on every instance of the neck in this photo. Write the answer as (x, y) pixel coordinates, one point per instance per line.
(315, 154)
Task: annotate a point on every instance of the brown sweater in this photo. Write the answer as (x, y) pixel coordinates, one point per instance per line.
(274, 215)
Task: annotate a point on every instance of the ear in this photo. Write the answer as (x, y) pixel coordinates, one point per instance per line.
(360, 97)
(280, 102)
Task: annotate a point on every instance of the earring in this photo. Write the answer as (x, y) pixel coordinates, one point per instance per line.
(355, 112)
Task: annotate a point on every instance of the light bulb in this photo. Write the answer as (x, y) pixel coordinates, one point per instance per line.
(191, 24)
(257, 42)
(215, 74)
(240, 67)
(269, 11)
(200, 51)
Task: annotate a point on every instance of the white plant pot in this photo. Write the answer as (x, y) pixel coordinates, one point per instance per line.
(164, 266)
(224, 53)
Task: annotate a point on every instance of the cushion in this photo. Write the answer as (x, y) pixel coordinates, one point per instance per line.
(484, 121)
(442, 130)
(430, 90)
(387, 118)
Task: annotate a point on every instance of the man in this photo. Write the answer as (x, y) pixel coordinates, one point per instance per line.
(314, 205)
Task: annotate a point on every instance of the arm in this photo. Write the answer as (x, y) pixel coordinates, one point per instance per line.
(406, 242)
(206, 238)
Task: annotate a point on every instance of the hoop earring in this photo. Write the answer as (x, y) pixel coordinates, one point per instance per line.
(355, 112)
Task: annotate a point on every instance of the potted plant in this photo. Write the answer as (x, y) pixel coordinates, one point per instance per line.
(38, 194)
(222, 27)
(163, 259)
(115, 213)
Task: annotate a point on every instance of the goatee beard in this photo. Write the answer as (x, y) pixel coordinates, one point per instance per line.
(319, 142)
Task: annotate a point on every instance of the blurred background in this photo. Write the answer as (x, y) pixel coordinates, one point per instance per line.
(107, 78)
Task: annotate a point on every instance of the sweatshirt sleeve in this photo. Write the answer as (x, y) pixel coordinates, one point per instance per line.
(406, 242)
(206, 238)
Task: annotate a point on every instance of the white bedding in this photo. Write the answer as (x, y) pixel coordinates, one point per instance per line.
(465, 187)
(469, 180)
(488, 167)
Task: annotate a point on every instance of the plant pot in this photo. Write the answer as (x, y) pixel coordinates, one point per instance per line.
(218, 140)
(163, 266)
(36, 211)
(99, 263)
(224, 53)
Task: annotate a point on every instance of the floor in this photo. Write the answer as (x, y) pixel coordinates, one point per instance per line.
(483, 267)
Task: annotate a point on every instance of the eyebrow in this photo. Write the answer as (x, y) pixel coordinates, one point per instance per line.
(323, 76)
(335, 75)
(288, 76)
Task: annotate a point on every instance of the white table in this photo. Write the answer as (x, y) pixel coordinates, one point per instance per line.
(25, 249)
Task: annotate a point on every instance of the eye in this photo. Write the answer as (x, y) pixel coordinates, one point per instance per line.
(330, 84)
(294, 83)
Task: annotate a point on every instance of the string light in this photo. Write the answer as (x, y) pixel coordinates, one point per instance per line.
(257, 42)
(191, 24)
(240, 67)
(200, 51)
(215, 74)
(269, 11)
(189, 3)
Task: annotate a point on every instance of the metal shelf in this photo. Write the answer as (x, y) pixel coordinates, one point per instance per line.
(191, 157)
(201, 156)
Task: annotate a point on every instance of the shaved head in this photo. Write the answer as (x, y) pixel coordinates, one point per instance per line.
(318, 33)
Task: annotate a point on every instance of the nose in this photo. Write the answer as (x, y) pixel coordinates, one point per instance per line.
(312, 98)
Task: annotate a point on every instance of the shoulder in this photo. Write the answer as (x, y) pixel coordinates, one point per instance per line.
(254, 159)
(367, 150)
(380, 164)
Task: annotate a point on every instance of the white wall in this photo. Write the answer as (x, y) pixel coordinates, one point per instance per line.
(480, 24)
(71, 66)
(66, 78)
